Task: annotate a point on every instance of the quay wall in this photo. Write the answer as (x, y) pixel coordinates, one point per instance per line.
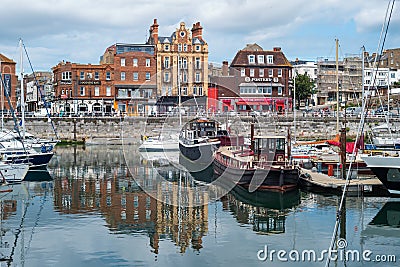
(132, 128)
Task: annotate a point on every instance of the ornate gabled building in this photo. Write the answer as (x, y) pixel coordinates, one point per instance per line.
(184, 54)
(263, 79)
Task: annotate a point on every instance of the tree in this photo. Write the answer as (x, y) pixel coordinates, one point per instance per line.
(304, 88)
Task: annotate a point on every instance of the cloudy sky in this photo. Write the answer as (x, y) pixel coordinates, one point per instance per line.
(80, 31)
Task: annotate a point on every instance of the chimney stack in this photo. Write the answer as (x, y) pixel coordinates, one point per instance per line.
(197, 30)
(224, 68)
(154, 31)
(277, 49)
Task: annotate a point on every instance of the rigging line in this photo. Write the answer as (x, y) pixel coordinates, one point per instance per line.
(379, 51)
(36, 223)
(360, 126)
(38, 89)
(18, 232)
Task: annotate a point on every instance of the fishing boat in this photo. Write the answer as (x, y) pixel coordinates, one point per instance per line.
(263, 166)
(386, 166)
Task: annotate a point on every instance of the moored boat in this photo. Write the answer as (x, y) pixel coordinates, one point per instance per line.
(265, 166)
(199, 138)
(386, 166)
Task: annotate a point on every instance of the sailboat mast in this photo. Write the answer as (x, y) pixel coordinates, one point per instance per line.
(2, 99)
(22, 92)
(337, 85)
(179, 90)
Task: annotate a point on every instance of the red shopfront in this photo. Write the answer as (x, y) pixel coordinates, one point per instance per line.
(264, 104)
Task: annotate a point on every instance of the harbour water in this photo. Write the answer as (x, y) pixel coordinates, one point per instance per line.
(93, 212)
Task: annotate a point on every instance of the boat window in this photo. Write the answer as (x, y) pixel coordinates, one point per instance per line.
(280, 144)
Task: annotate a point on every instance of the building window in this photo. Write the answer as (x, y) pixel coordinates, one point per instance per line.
(147, 62)
(97, 91)
(243, 72)
(169, 90)
(166, 77)
(194, 90)
(279, 90)
(62, 92)
(184, 63)
(197, 48)
(123, 93)
(197, 63)
(82, 76)
(108, 76)
(108, 91)
(279, 72)
(166, 47)
(252, 59)
(122, 76)
(82, 91)
(179, 47)
(269, 90)
(66, 75)
(184, 47)
(148, 76)
(135, 76)
(200, 89)
(184, 76)
(166, 62)
(197, 77)
(184, 90)
(270, 59)
(260, 59)
(261, 73)
(270, 73)
(96, 75)
(122, 62)
(251, 72)
(135, 62)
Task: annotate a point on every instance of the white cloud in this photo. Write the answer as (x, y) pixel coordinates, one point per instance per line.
(80, 31)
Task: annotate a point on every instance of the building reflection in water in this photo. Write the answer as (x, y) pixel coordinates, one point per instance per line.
(92, 179)
(265, 210)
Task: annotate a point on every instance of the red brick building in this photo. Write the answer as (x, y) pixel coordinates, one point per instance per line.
(258, 80)
(10, 81)
(83, 89)
(134, 77)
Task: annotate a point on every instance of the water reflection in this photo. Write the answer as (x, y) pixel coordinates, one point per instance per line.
(266, 211)
(386, 222)
(88, 182)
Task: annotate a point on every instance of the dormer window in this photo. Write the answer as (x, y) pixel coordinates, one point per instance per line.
(166, 47)
(270, 59)
(260, 59)
(252, 59)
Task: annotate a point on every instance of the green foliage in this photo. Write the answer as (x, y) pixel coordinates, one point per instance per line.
(305, 87)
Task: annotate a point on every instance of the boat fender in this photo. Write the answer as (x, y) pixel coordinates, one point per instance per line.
(50, 148)
(280, 158)
(144, 138)
(43, 148)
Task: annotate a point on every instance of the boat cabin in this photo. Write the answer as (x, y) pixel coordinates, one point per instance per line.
(270, 149)
(200, 128)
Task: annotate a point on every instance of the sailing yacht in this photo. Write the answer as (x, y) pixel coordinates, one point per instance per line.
(19, 147)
